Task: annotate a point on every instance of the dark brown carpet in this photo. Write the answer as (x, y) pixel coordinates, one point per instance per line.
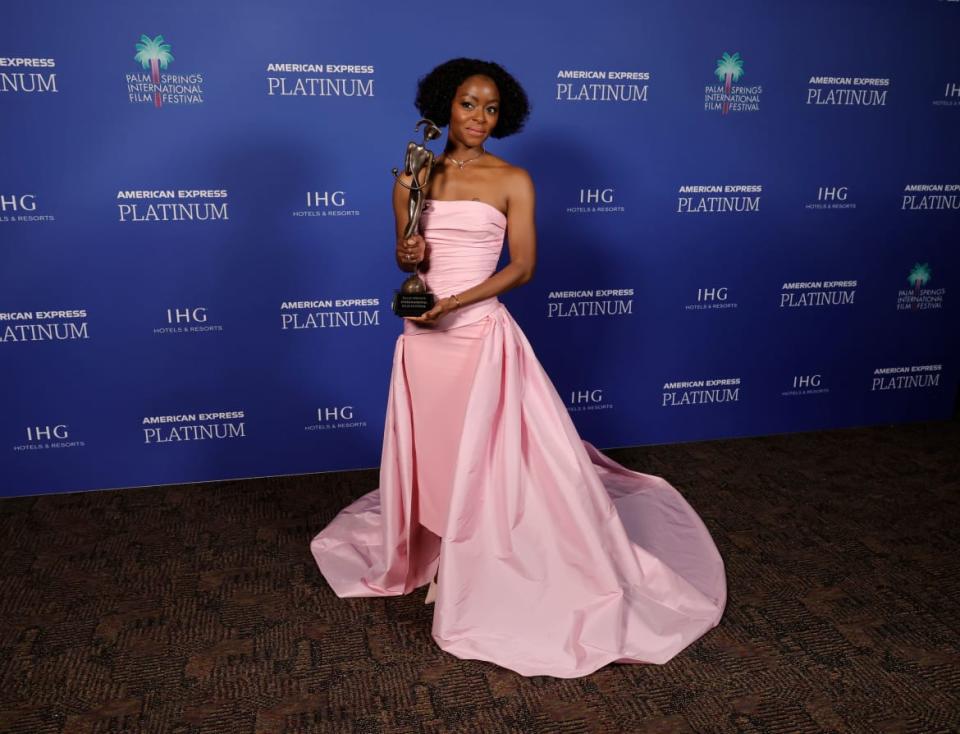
(199, 609)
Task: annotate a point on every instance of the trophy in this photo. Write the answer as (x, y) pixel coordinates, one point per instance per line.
(413, 299)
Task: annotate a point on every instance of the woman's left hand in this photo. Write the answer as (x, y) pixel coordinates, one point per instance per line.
(440, 308)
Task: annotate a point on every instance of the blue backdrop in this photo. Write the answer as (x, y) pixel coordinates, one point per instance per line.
(747, 217)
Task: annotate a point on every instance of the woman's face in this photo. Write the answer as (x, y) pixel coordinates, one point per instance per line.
(475, 110)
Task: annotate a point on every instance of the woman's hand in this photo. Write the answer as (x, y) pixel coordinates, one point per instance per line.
(440, 308)
(411, 251)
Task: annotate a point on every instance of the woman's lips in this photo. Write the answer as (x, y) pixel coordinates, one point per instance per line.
(474, 131)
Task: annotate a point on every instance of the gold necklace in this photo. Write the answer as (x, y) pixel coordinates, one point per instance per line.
(465, 161)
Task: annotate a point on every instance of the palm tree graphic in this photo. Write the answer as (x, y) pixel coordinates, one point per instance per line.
(153, 52)
(919, 276)
(730, 69)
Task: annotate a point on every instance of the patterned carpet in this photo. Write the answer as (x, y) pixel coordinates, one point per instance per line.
(199, 609)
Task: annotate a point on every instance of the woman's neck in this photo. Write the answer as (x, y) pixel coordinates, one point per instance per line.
(454, 149)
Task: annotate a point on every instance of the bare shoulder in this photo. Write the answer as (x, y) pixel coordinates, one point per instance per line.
(515, 180)
(519, 185)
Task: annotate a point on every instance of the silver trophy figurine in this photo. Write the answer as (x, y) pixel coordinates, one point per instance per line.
(412, 299)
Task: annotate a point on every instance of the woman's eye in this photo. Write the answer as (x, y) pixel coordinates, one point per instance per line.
(492, 110)
(466, 104)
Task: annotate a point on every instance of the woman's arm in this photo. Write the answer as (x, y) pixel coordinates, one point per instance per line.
(522, 241)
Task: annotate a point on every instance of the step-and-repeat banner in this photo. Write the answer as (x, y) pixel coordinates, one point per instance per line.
(747, 222)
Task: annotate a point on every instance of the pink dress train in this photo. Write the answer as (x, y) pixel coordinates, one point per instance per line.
(553, 559)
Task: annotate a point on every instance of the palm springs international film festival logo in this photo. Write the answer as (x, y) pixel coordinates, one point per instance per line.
(919, 298)
(153, 54)
(730, 97)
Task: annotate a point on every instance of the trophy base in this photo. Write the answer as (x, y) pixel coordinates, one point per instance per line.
(412, 304)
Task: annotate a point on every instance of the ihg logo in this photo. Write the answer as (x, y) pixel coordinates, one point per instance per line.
(21, 203)
(47, 433)
(832, 193)
(196, 315)
(581, 397)
(596, 196)
(801, 382)
(337, 413)
(707, 295)
(326, 198)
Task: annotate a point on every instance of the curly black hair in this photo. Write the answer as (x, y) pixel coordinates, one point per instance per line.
(435, 93)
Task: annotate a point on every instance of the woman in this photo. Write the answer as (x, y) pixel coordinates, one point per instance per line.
(547, 557)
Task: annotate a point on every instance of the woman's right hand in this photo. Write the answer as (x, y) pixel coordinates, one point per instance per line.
(411, 251)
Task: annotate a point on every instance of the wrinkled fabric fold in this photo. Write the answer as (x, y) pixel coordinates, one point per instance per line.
(554, 559)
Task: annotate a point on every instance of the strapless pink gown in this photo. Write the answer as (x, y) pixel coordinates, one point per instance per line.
(553, 559)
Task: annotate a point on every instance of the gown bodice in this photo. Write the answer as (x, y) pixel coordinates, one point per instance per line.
(464, 238)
